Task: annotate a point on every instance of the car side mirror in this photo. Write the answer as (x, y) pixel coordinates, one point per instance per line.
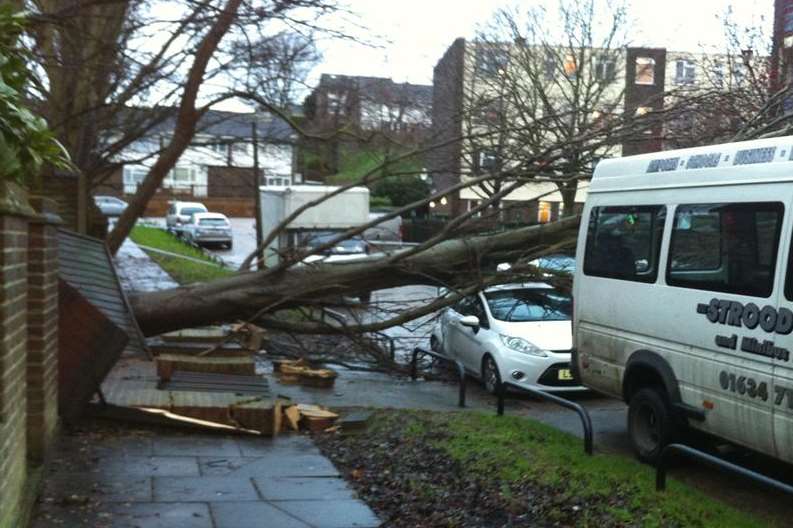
(642, 266)
(470, 321)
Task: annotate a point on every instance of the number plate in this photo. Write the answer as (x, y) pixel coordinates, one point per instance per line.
(565, 375)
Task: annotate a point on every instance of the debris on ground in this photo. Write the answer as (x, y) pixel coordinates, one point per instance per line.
(300, 371)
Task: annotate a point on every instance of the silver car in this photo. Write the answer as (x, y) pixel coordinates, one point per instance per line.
(208, 228)
(110, 205)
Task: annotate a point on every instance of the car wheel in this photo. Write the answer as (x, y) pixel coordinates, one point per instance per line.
(650, 424)
(490, 375)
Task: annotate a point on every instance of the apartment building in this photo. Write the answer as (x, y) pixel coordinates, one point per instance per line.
(633, 81)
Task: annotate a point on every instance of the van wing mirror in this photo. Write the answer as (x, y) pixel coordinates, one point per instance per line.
(642, 266)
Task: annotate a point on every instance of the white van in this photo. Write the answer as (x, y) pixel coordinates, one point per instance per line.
(683, 293)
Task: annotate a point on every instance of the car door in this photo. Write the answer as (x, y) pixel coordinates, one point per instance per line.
(464, 343)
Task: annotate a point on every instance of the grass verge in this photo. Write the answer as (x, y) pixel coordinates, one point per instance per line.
(183, 271)
(530, 473)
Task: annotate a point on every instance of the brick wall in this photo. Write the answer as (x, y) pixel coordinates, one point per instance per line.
(42, 363)
(26, 383)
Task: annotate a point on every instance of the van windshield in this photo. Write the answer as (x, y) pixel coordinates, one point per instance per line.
(525, 305)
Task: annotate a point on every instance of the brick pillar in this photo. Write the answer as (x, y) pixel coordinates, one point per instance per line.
(14, 215)
(42, 323)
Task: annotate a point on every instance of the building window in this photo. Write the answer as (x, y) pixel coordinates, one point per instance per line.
(544, 212)
(606, 70)
(279, 181)
(624, 242)
(549, 65)
(718, 74)
(685, 72)
(185, 180)
(729, 248)
(645, 70)
(133, 175)
(491, 61)
(570, 65)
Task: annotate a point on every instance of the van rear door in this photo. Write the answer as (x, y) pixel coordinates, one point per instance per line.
(782, 392)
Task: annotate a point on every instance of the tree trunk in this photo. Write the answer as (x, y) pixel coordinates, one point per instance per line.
(184, 130)
(454, 263)
(568, 190)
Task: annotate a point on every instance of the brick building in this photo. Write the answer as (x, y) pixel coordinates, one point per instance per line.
(28, 348)
(217, 168)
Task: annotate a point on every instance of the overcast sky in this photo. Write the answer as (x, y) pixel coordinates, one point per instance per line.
(415, 33)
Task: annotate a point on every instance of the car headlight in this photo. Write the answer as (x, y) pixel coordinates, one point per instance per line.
(519, 344)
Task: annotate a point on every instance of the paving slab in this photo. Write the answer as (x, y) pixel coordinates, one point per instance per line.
(204, 489)
(195, 445)
(152, 466)
(292, 444)
(274, 465)
(105, 488)
(331, 514)
(253, 515)
(304, 488)
(153, 515)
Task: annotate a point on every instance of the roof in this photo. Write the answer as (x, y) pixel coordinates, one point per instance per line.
(269, 127)
(379, 89)
(85, 264)
(747, 162)
(315, 189)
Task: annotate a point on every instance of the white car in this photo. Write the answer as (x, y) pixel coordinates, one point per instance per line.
(516, 332)
(179, 214)
(208, 228)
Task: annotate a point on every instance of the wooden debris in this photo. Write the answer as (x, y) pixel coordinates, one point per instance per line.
(305, 374)
(208, 334)
(168, 363)
(162, 418)
(250, 335)
(317, 418)
(292, 415)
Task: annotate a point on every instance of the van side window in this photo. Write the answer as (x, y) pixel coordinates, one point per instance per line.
(624, 242)
(725, 247)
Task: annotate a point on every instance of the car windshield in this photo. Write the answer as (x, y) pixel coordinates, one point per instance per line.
(212, 222)
(351, 244)
(524, 305)
(187, 211)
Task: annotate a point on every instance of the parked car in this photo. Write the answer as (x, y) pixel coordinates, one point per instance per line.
(208, 228)
(520, 332)
(179, 214)
(351, 246)
(386, 231)
(110, 205)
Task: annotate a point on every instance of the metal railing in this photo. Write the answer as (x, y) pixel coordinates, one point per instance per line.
(458, 364)
(715, 462)
(586, 420)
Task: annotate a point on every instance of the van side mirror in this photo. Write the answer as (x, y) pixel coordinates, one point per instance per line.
(471, 321)
(642, 266)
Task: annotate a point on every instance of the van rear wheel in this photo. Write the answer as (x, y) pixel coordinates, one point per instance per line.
(650, 424)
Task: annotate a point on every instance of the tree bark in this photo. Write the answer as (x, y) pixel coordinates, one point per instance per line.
(183, 133)
(456, 263)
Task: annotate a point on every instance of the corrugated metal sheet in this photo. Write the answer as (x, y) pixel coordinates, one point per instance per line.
(86, 265)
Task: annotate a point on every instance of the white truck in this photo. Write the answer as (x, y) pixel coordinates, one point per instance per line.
(336, 214)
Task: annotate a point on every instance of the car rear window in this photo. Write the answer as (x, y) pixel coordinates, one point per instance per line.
(187, 211)
(529, 305)
(725, 247)
(212, 222)
(624, 242)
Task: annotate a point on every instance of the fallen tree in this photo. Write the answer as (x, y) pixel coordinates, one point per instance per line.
(458, 264)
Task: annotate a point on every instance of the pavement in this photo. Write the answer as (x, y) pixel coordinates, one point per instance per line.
(129, 478)
(161, 479)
